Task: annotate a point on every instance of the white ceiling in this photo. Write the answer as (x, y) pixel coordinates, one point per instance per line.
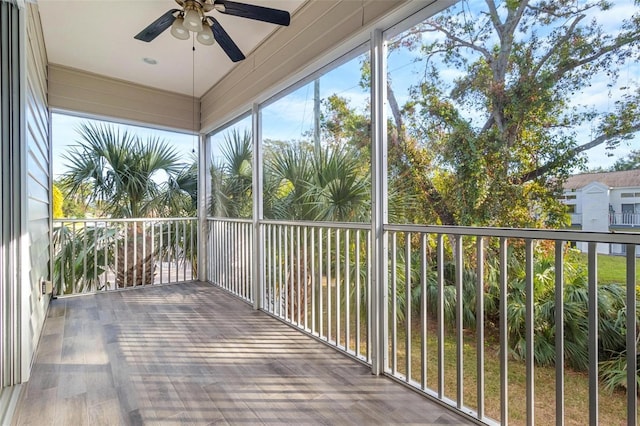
(97, 36)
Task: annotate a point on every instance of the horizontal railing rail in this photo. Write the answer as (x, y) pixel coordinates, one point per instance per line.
(93, 255)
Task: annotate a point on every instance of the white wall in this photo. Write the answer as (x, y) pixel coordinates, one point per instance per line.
(37, 178)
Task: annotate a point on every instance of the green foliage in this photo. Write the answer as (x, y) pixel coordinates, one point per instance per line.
(611, 307)
(631, 162)
(333, 186)
(81, 256)
(57, 202)
(492, 147)
(231, 178)
(120, 170)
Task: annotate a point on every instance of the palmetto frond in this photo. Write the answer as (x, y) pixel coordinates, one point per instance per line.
(120, 168)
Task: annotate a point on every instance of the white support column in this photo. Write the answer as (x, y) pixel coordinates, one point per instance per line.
(258, 213)
(379, 214)
(204, 158)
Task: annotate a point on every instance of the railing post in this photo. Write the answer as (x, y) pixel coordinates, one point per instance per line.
(378, 308)
(257, 277)
(632, 366)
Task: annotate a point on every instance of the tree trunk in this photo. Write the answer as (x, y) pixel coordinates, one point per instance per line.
(136, 261)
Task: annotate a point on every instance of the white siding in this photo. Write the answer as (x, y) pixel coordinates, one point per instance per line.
(38, 186)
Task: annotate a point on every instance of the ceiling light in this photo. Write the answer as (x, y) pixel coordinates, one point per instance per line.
(192, 18)
(178, 30)
(206, 35)
(150, 61)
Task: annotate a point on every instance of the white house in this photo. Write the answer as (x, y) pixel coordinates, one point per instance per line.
(604, 202)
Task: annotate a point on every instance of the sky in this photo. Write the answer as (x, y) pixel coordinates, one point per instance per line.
(291, 117)
(64, 136)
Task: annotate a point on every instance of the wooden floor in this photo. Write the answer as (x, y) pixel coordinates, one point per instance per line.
(191, 354)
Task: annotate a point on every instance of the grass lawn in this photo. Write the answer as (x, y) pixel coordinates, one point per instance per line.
(613, 269)
(612, 407)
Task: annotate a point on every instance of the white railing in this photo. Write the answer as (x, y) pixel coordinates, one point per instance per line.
(624, 219)
(317, 278)
(457, 300)
(92, 255)
(230, 256)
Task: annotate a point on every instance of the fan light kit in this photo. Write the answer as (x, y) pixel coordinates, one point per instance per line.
(192, 18)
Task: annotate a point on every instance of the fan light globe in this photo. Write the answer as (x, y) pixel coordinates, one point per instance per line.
(178, 30)
(206, 35)
(192, 20)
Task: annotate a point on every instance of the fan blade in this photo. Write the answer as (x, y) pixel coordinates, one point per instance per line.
(157, 26)
(259, 13)
(224, 40)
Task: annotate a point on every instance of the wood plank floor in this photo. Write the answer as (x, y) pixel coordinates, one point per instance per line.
(191, 354)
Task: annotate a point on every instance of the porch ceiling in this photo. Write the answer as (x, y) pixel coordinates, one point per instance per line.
(97, 36)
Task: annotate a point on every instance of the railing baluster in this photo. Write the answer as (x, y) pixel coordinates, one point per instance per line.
(504, 335)
(280, 266)
(407, 305)
(134, 225)
(169, 249)
(299, 275)
(369, 283)
(275, 256)
(176, 250)
(287, 274)
(459, 321)
(559, 320)
(440, 268)
(358, 296)
(85, 282)
(305, 256)
(184, 250)
(329, 306)
(116, 243)
(73, 250)
(192, 224)
(593, 333)
(338, 287)
(480, 324)
(529, 332)
(394, 304)
(632, 351)
(347, 291)
(63, 282)
(144, 253)
(314, 327)
(320, 295)
(423, 310)
(125, 250)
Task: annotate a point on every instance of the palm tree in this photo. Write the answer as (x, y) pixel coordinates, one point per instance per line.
(231, 178)
(124, 173)
(121, 169)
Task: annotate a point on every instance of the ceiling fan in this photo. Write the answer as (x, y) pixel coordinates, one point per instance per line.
(192, 17)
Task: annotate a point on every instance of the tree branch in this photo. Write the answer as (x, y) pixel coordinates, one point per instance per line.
(460, 41)
(395, 111)
(495, 18)
(573, 64)
(542, 170)
(560, 42)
